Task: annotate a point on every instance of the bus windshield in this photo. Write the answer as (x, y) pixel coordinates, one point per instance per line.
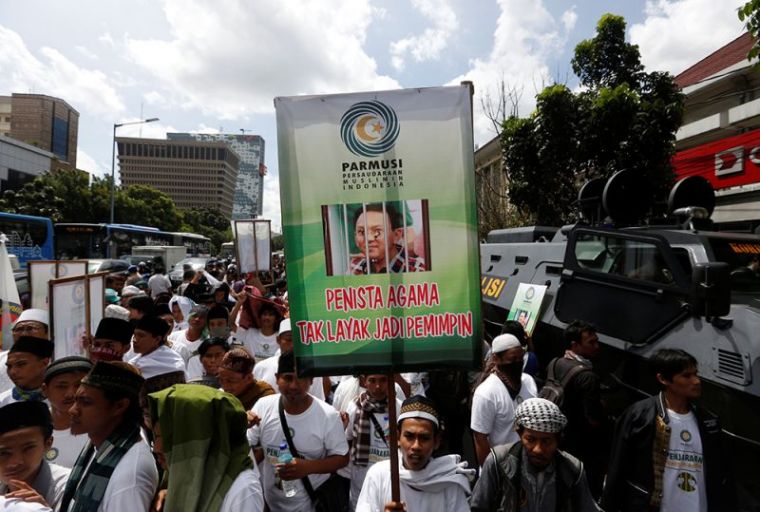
(29, 238)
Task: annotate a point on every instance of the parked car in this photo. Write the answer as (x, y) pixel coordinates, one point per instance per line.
(107, 266)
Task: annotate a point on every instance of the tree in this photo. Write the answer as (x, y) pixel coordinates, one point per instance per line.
(147, 206)
(209, 222)
(34, 198)
(623, 119)
(749, 14)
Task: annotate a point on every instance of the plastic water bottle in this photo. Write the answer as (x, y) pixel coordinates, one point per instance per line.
(285, 457)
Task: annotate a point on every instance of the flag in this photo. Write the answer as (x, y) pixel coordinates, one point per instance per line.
(262, 170)
(11, 305)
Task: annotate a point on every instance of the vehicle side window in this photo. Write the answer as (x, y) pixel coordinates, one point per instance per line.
(633, 259)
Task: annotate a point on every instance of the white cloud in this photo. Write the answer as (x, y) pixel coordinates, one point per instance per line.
(86, 52)
(106, 39)
(429, 44)
(678, 33)
(569, 19)
(87, 163)
(231, 58)
(54, 74)
(154, 130)
(526, 37)
(271, 206)
(154, 98)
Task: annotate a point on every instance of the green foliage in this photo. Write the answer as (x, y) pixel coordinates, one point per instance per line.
(34, 198)
(624, 119)
(208, 222)
(749, 14)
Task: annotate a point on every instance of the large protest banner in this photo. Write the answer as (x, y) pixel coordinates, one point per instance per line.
(380, 226)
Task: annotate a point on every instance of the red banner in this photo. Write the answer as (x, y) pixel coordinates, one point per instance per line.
(726, 163)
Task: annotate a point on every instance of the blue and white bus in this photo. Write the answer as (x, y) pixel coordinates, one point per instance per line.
(29, 238)
(100, 241)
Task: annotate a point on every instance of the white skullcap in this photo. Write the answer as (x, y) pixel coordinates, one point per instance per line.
(504, 342)
(129, 291)
(34, 315)
(540, 415)
(284, 326)
(115, 311)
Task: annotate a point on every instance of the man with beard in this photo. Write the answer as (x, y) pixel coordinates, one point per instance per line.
(496, 398)
(532, 474)
(62, 379)
(112, 340)
(427, 483)
(115, 472)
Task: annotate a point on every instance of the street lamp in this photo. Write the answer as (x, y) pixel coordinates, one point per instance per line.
(113, 158)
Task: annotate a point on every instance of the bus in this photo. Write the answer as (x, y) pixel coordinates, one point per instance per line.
(29, 238)
(100, 241)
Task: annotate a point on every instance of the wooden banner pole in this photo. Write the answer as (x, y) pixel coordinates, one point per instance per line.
(393, 441)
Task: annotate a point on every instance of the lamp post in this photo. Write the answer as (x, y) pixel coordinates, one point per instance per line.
(113, 159)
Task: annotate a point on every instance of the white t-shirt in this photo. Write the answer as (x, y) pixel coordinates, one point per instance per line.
(683, 481)
(417, 382)
(133, 483)
(266, 370)
(244, 495)
(376, 492)
(317, 433)
(158, 284)
(16, 505)
(378, 449)
(259, 345)
(160, 361)
(493, 410)
(183, 346)
(66, 448)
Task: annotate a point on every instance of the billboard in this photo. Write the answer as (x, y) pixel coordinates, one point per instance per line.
(380, 227)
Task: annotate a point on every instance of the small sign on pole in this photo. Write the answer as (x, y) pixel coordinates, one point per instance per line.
(253, 244)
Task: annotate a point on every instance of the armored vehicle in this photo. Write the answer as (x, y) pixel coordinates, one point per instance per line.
(646, 287)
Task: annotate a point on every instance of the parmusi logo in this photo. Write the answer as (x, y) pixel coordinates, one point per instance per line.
(369, 128)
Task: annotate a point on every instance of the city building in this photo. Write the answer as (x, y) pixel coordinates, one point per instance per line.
(42, 121)
(249, 190)
(21, 162)
(720, 135)
(195, 174)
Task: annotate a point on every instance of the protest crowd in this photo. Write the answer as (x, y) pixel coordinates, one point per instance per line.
(190, 400)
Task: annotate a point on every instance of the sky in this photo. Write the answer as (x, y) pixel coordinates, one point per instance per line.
(209, 66)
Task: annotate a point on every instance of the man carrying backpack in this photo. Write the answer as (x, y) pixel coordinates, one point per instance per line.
(572, 384)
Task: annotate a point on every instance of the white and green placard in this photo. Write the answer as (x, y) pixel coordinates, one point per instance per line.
(380, 226)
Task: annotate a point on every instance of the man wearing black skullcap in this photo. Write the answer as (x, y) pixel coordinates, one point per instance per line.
(111, 340)
(116, 471)
(25, 438)
(27, 361)
(316, 431)
(153, 357)
(427, 483)
(62, 379)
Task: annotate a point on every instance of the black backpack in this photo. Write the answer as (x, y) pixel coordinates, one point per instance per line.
(554, 387)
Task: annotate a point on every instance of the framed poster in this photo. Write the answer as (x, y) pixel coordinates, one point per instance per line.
(380, 227)
(96, 299)
(253, 243)
(40, 272)
(71, 268)
(68, 315)
(526, 307)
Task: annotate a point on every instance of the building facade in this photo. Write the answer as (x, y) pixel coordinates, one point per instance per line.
(21, 163)
(491, 188)
(194, 174)
(720, 135)
(42, 121)
(249, 190)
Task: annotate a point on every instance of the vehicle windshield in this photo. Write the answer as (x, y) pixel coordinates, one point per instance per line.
(743, 258)
(197, 263)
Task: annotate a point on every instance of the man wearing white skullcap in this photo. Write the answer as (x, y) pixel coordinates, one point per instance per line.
(533, 475)
(496, 398)
(31, 322)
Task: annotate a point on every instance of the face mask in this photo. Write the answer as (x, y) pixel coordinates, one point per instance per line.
(219, 332)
